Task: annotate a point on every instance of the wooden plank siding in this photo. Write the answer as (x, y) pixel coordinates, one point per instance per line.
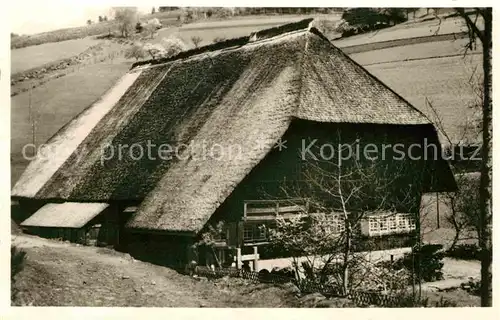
(260, 197)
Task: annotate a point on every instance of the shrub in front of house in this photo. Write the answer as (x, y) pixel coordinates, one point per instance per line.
(464, 252)
(426, 261)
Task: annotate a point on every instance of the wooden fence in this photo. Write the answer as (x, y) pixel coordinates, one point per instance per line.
(361, 298)
(249, 275)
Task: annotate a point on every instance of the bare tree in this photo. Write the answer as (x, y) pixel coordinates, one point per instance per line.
(347, 193)
(464, 206)
(149, 29)
(485, 203)
(464, 203)
(126, 18)
(135, 51)
(196, 41)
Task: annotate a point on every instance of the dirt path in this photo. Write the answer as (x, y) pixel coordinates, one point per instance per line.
(63, 274)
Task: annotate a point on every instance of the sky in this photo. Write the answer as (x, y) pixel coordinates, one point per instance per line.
(51, 15)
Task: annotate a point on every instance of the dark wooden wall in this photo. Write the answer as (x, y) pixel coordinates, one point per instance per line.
(283, 170)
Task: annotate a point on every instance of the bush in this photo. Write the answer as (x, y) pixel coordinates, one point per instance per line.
(135, 51)
(155, 50)
(219, 39)
(394, 15)
(368, 17)
(172, 46)
(360, 20)
(428, 259)
(472, 286)
(17, 263)
(196, 41)
(139, 27)
(408, 301)
(464, 252)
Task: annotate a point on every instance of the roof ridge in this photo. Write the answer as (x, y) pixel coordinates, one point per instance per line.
(260, 35)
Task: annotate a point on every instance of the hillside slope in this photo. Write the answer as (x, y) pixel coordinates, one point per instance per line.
(63, 274)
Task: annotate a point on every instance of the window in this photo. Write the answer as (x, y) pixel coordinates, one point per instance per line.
(413, 226)
(373, 225)
(333, 223)
(254, 232)
(388, 224)
(402, 222)
(392, 223)
(248, 233)
(383, 224)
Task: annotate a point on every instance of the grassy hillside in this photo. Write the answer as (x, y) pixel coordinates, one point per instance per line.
(55, 103)
(413, 52)
(406, 30)
(30, 57)
(232, 28)
(58, 274)
(444, 81)
(61, 35)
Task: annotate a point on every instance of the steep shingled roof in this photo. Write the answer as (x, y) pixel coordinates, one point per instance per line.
(244, 94)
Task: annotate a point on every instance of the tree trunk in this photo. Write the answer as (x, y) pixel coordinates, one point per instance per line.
(456, 225)
(485, 182)
(347, 252)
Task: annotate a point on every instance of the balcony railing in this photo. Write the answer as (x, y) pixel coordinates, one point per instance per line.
(266, 210)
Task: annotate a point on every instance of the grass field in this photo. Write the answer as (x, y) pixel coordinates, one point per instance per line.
(34, 56)
(233, 28)
(406, 30)
(413, 51)
(55, 103)
(62, 35)
(444, 81)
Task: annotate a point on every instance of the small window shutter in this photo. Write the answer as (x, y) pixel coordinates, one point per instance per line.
(232, 233)
(365, 227)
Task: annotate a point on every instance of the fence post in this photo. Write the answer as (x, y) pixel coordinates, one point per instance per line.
(255, 259)
(238, 258)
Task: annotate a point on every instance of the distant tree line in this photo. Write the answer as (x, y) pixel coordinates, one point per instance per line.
(360, 20)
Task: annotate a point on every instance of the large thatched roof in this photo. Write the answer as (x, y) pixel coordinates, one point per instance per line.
(237, 93)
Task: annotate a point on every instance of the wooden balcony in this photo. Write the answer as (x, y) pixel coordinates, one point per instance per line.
(269, 210)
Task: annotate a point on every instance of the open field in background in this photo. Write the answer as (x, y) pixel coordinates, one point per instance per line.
(414, 51)
(444, 81)
(239, 21)
(233, 28)
(406, 30)
(55, 103)
(62, 35)
(35, 56)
